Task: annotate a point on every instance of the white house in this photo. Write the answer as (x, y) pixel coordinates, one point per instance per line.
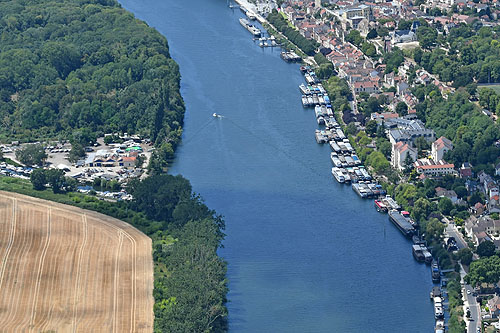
(440, 147)
(429, 168)
(399, 153)
(367, 86)
(403, 36)
(450, 194)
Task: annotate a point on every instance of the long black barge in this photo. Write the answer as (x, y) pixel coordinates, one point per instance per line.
(402, 223)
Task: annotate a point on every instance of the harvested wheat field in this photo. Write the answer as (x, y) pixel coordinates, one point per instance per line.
(64, 269)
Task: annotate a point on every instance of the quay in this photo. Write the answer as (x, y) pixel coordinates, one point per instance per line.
(251, 28)
(290, 56)
(246, 7)
(347, 167)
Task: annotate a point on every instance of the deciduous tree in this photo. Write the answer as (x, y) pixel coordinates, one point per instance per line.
(38, 179)
(31, 154)
(486, 249)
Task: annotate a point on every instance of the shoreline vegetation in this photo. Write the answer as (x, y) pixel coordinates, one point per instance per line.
(379, 165)
(76, 69)
(417, 197)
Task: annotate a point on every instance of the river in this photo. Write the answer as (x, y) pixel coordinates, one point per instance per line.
(304, 253)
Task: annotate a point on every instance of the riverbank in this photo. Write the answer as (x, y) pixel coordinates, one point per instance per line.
(347, 167)
(286, 223)
(271, 29)
(145, 101)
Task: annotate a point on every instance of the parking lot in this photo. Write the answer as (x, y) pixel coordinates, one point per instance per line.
(106, 163)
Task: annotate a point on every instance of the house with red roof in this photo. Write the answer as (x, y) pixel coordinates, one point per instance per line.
(367, 86)
(380, 117)
(127, 161)
(431, 169)
(494, 306)
(400, 153)
(440, 147)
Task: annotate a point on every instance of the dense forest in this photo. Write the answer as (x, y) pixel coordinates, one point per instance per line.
(472, 132)
(468, 56)
(76, 69)
(84, 66)
(190, 285)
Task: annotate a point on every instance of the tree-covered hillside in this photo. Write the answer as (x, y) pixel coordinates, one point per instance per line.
(473, 133)
(79, 68)
(469, 56)
(87, 65)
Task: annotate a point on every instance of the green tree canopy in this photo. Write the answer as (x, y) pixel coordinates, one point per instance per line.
(486, 249)
(372, 34)
(32, 154)
(421, 209)
(485, 270)
(354, 37)
(371, 127)
(38, 179)
(351, 129)
(434, 229)
(402, 109)
(445, 205)
(384, 146)
(324, 71)
(84, 66)
(77, 152)
(378, 161)
(427, 37)
(465, 256)
(56, 179)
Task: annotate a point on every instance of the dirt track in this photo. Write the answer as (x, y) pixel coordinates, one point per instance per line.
(64, 269)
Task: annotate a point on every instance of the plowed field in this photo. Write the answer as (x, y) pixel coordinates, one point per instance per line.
(64, 269)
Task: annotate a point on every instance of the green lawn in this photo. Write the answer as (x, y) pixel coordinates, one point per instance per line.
(24, 187)
(286, 18)
(495, 87)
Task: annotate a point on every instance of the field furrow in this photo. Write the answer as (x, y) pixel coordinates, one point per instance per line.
(68, 270)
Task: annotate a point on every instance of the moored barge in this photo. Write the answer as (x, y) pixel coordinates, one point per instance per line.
(402, 223)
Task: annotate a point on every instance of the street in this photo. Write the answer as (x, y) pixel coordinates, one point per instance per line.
(471, 304)
(475, 313)
(469, 300)
(451, 231)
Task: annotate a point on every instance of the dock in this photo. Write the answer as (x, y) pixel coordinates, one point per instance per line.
(290, 56)
(246, 6)
(250, 27)
(350, 168)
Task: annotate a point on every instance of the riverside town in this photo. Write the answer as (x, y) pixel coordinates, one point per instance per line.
(401, 98)
(375, 74)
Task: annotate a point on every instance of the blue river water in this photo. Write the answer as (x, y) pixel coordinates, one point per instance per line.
(304, 253)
